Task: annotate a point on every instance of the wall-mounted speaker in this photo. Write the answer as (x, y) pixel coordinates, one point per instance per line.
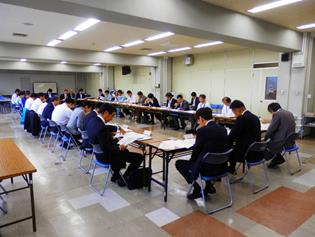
(125, 70)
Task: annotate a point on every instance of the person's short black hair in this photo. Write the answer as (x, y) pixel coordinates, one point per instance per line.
(17, 91)
(41, 94)
(193, 94)
(86, 104)
(180, 96)
(54, 98)
(81, 90)
(150, 95)
(237, 104)
(97, 105)
(107, 108)
(69, 101)
(203, 96)
(129, 92)
(33, 95)
(49, 90)
(205, 113)
(100, 90)
(21, 93)
(107, 91)
(227, 99)
(120, 91)
(169, 94)
(140, 93)
(65, 89)
(273, 107)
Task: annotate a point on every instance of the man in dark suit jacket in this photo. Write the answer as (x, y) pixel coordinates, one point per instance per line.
(80, 94)
(180, 105)
(281, 126)
(245, 131)
(170, 101)
(48, 110)
(152, 101)
(65, 95)
(117, 155)
(210, 137)
(194, 101)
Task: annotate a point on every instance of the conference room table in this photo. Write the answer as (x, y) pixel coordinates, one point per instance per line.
(13, 163)
(164, 112)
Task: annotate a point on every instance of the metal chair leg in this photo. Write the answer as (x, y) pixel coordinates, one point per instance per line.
(203, 195)
(106, 181)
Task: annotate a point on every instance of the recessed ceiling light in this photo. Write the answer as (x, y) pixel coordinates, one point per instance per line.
(63, 62)
(159, 36)
(23, 59)
(208, 44)
(83, 26)
(133, 43)
(307, 26)
(156, 53)
(53, 43)
(112, 49)
(97, 64)
(67, 35)
(179, 49)
(272, 5)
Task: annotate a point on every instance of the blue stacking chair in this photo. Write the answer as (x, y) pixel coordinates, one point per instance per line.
(44, 128)
(84, 151)
(54, 131)
(215, 159)
(258, 148)
(290, 147)
(217, 108)
(67, 141)
(95, 163)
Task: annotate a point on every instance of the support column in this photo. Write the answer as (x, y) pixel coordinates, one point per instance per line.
(165, 75)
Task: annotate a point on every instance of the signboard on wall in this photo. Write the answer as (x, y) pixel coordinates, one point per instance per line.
(44, 86)
(271, 88)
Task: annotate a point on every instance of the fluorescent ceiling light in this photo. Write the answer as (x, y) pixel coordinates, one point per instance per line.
(208, 44)
(133, 43)
(307, 26)
(272, 5)
(63, 62)
(156, 53)
(179, 49)
(83, 26)
(67, 35)
(97, 64)
(112, 48)
(53, 43)
(23, 59)
(159, 36)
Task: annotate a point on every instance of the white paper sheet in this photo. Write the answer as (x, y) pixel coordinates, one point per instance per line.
(176, 144)
(131, 137)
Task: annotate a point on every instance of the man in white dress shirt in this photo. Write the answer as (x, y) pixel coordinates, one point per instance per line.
(62, 112)
(15, 96)
(203, 102)
(226, 111)
(41, 99)
(131, 99)
(29, 101)
(41, 108)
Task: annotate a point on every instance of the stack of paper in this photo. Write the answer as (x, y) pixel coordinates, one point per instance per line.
(177, 144)
(131, 137)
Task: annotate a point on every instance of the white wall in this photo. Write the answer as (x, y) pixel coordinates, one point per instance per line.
(139, 80)
(9, 81)
(228, 73)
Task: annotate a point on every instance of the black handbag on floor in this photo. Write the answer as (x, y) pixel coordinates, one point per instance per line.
(139, 178)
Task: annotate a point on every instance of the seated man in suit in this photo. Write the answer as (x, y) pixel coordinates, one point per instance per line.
(194, 101)
(48, 110)
(116, 155)
(153, 102)
(141, 101)
(245, 131)
(210, 137)
(80, 94)
(180, 105)
(281, 126)
(65, 95)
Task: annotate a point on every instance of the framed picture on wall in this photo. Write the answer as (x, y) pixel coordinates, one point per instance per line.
(271, 88)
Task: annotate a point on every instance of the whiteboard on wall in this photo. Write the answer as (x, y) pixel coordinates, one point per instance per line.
(44, 86)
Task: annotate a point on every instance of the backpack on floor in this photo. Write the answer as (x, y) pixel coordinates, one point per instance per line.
(139, 178)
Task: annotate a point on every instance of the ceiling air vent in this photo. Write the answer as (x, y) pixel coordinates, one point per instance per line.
(19, 35)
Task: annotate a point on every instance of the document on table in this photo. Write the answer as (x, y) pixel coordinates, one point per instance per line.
(264, 126)
(177, 144)
(131, 137)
